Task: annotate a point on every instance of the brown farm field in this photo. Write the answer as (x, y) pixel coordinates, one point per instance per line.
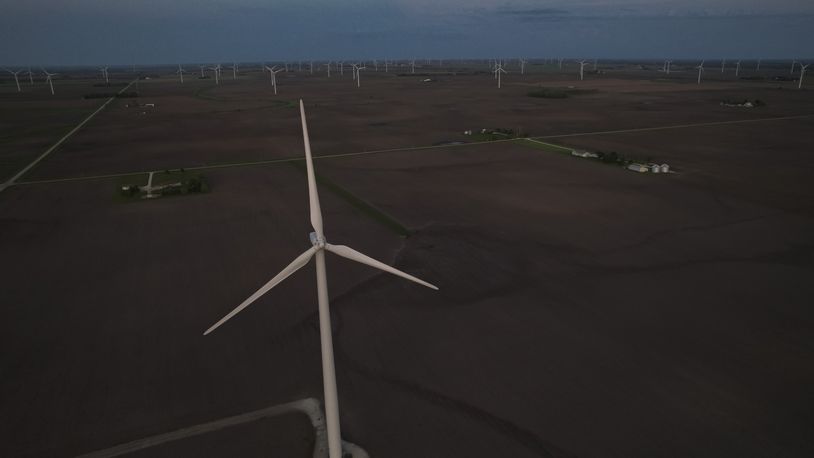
(584, 310)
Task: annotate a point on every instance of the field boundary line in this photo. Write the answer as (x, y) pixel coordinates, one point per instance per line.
(536, 139)
(59, 142)
(677, 126)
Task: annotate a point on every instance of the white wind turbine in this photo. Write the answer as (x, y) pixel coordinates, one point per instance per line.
(793, 63)
(202, 70)
(758, 65)
(802, 73)
(329, 68)
(523, 63)
(560, 62)
(49, 78)
(30, 76)
(582, 65)
(341, 65)
(234, 70)
(723, 65)
(386, 67)
(273, 74)
(104, 74)
(669, 64)
(498, 71)
(180, 73)
(737, 68)
(319, 246)
(357, 75)
(216, 69)
(412, 64)
(700, 70)
(16, 80)
(311, 67)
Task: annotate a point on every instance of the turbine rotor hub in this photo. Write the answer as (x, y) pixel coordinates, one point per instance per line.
(316, 240)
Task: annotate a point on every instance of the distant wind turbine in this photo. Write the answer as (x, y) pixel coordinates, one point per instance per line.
(802, 73)
(216, 69)
(793, 63)
(498, 71)
(104, 74)
(700, 70)
(234, 70)
(180, 73)
(582, 65)
(523, 66)
(30, 76)
(758, 65)
(723, 65)
(329, 68)
(16, 80)
(319, 246)
(737, 68)
(273, 74)
(669, 64)
(358, 74)
(412, 64)
(49, 78)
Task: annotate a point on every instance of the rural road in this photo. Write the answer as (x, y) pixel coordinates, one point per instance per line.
(13, 180)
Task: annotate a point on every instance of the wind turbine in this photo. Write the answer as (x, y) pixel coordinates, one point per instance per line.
(202, 70)
(498, 71)
(341, 65)
(234, 71)
(669, 64)
(802, 73)
(523, 66)
(723, 65)
(274, 76)
(700, 70)
(758, 65)
(582, 65)
(30, 76)
(412, 63)
(357, 74)
(49, 79)
(793, 63)
(329, 68)
(311, 68)
(16, 81)
(386, 67)
(180, 73)
(737, 68)
(319, 246)
(560, 62)
(217, 73)
(104, 73)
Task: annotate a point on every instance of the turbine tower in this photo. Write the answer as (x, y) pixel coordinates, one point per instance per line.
(412, 64)
(758, 65)
(793, 63)
(723, 65)
(319, 246)
(104, 74)
(669, 64)
(523, 63)
(234, 70)
(30, 76)
(737, 68)
(16, 80)
(180, 73)
(802, 73)
(700, 70)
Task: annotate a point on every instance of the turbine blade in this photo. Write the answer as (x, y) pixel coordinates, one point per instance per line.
(353, 255)
(295, 265)
(316, 212)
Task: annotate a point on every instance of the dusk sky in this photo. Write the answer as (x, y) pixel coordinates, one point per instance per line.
(68, 32)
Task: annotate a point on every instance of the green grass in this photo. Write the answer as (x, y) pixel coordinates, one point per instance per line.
(357, 203)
